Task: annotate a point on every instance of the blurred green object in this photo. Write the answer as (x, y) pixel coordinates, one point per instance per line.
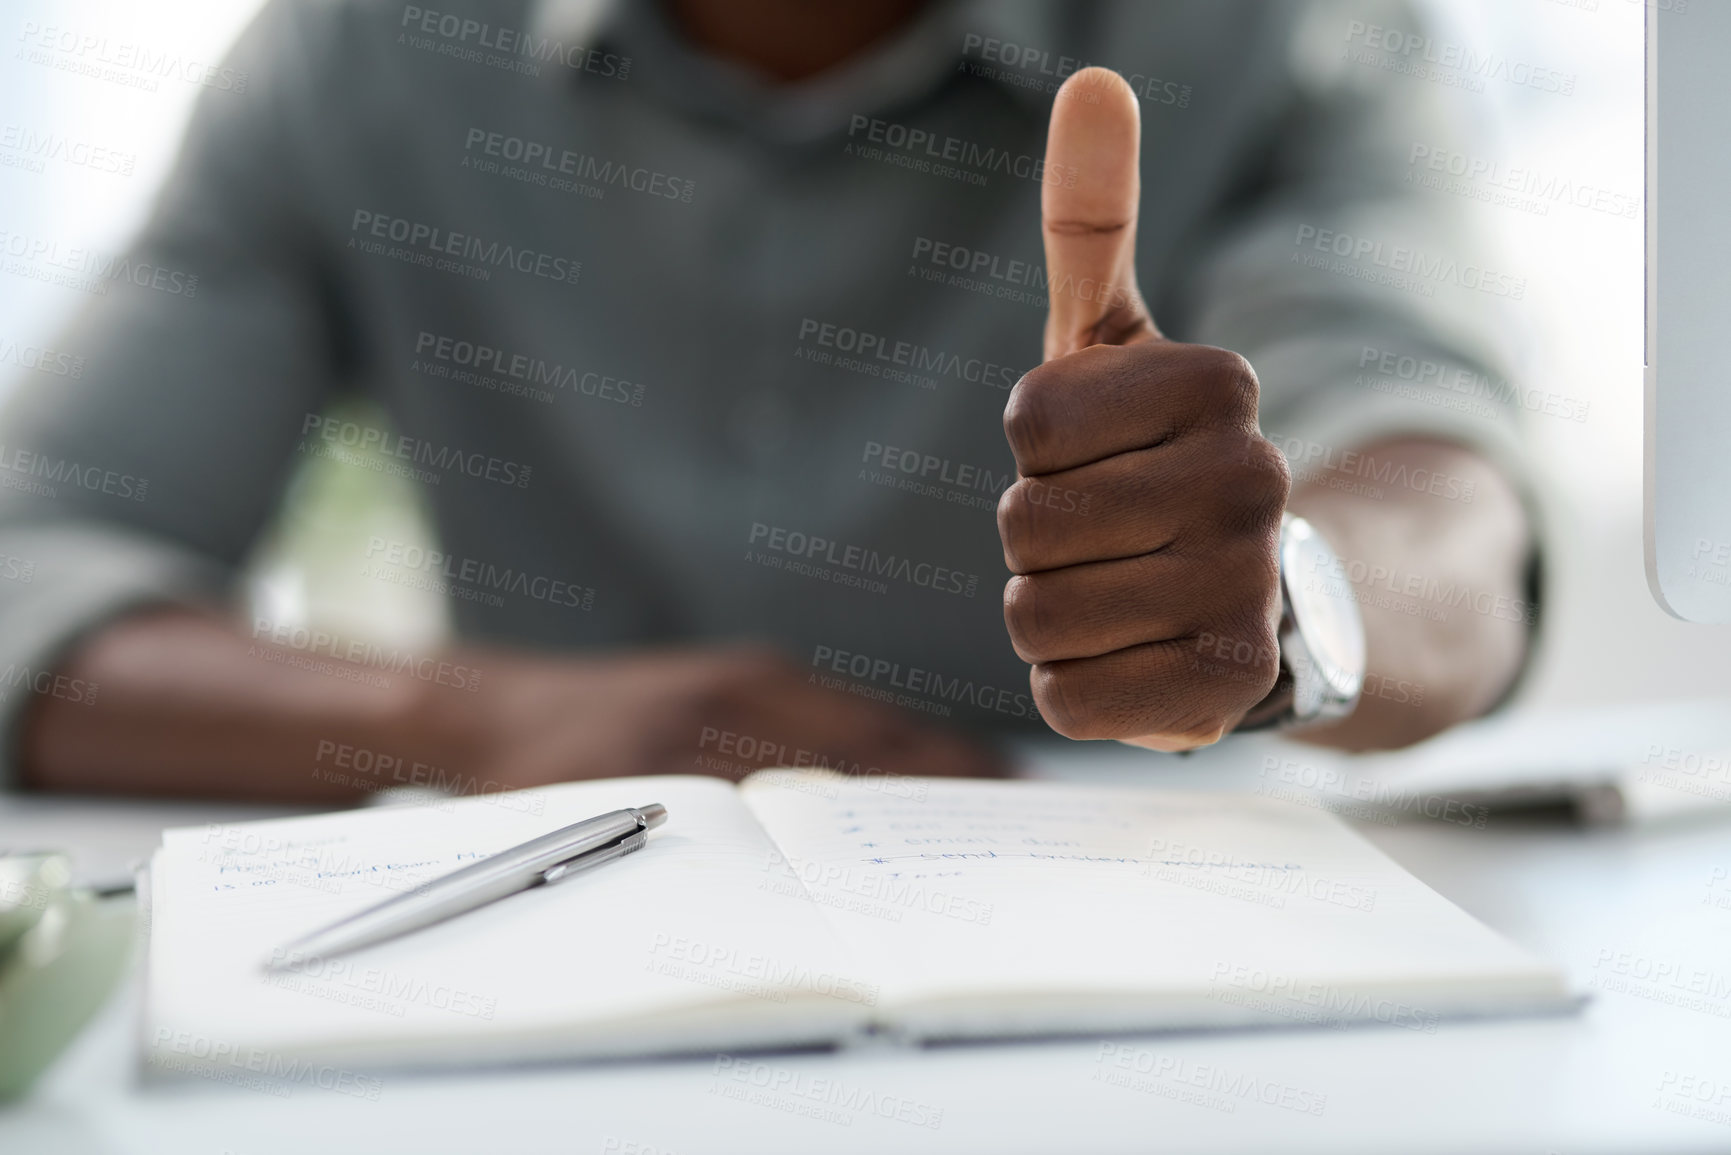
(61, 951)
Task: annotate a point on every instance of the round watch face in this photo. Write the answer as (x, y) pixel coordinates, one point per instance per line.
(1323, 609)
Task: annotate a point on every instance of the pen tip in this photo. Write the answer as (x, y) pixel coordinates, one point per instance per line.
(654, 815)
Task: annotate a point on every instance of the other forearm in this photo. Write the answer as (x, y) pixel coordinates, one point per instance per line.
(187, 704)
(1433, 540)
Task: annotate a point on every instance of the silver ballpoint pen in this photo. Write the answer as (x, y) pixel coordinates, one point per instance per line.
(549, 858)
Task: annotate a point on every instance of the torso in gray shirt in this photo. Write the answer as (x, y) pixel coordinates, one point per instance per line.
(678, 358)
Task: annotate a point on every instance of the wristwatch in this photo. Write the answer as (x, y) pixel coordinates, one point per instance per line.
(1321, 636)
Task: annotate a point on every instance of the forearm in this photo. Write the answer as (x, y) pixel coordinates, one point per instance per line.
(1435, 548)
(188, 705)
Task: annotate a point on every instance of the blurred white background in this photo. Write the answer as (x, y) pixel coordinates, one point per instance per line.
(80, 205)
(1604, 638)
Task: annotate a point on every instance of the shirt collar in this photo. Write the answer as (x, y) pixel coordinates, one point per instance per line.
(945, 38)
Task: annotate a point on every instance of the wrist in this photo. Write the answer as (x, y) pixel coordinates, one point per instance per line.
(1321, 637)
(1426, 569)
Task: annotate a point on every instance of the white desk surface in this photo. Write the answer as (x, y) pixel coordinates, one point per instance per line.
(1645, 1067)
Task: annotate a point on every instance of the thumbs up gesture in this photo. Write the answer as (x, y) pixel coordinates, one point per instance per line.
(1143, 527)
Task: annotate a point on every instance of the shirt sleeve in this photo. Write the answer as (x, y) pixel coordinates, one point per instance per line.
(1370, 303)
(1364, 287)
(145, 478)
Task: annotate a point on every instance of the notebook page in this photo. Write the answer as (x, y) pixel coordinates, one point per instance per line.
(676, 938)
(1038, 902)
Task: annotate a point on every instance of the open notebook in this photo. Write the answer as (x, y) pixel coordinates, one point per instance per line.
(806, 908)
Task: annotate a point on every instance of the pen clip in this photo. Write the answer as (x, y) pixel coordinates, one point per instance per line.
(619, 848)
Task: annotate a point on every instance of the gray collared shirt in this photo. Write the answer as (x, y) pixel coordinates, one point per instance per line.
(677, 356)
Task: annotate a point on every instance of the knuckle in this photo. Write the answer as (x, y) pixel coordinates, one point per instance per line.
(1031, 412)
(1252, 484)
(1064, 702)
(1270, 460)
(1199, 735)
(1262, 662)
(1017, 527)
(1201, 727)
(1267, 487)
(1080, 699)
(1235, 660)
(1233, 382)
(1025, 618)
(1266, 670)
(1261, 571)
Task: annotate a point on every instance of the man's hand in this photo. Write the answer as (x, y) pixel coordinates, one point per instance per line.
(192, 706)
(1144, 527)
(726, 712)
